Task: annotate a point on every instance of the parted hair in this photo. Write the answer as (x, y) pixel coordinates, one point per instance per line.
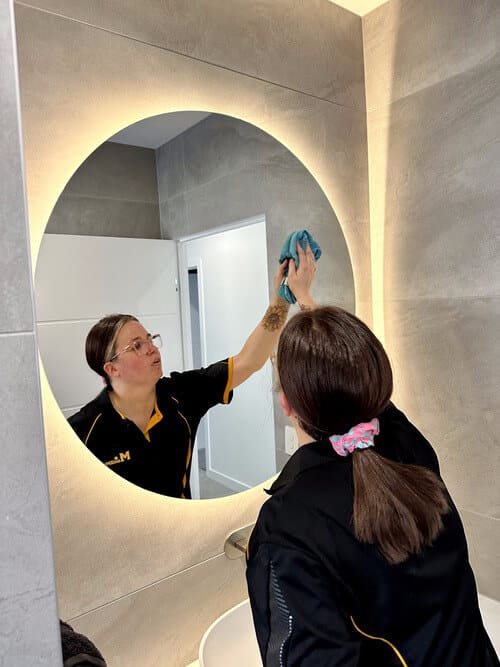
(335, 374)
(101, 341)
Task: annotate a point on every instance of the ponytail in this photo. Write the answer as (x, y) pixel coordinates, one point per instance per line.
(397, 507)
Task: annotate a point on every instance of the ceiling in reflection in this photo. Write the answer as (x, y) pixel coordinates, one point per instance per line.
(155, 131)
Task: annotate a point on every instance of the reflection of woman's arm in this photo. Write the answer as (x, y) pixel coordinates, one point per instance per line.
(263, 339)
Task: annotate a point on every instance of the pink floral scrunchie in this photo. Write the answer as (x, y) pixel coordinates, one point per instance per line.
(360, 436)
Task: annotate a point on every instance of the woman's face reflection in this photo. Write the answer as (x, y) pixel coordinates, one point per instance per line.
(135, 367)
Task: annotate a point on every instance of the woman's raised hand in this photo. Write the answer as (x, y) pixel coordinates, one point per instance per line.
(300, 278)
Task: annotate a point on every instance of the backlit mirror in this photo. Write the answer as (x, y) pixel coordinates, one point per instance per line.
(179, 220)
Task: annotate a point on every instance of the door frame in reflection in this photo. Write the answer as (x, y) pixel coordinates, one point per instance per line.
(244, 454)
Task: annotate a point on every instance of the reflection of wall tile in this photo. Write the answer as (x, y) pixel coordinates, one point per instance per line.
(143, 628)
(233, 197)
(174, 220)
(412, 45)
(297, 202)
(221, 145)
(170, 168)
(117, 171)
(314, 47)
(105, 217)
(113, 193)
(483, 538)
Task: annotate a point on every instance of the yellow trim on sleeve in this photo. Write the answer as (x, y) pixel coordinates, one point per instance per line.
(229, 384)
(188, 457)
(381, 639)
(91, 428)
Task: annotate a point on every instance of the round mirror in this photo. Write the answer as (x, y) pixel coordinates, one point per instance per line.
(179, 220)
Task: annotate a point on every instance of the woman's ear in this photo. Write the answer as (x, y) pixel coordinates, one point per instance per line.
(110, 369)
(285, 405)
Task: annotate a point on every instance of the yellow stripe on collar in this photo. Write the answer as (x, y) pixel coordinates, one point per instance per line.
(156, 417)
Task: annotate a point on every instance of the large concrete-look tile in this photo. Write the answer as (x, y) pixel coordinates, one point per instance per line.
(467, 446)
(170, 168)
(229, 199)
(441, 194)
(105, 217)
(314, 47)
(221, 145)
(483, 538)
(15, 295)
(163, 624)
(30, 631)
(438, 350)
(446, 363)
(174, 221)
(413, 45)
(117, 171)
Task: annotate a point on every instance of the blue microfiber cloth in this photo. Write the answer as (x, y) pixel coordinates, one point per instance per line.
(289, 251)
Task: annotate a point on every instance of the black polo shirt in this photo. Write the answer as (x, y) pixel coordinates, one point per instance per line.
(158, 459)
(320, 598)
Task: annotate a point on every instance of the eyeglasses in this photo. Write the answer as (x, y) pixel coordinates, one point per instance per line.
(141, 346)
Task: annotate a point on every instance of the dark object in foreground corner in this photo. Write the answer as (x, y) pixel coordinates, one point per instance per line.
(78, 650)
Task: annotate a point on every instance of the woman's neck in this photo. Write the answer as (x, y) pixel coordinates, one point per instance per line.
(133, 401)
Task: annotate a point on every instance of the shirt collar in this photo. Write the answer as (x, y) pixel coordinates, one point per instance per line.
(307, 456)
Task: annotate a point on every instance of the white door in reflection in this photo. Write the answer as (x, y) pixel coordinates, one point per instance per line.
(233, 294)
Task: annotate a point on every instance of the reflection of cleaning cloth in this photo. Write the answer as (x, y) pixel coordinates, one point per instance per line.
(289, 251)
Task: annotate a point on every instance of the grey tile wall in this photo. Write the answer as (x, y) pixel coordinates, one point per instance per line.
(415, 45)
(28, 610)
(313, 47)
(15, 304)
(113, 193)
(433, 99)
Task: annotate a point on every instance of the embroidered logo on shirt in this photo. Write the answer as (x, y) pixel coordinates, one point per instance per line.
(119, 458)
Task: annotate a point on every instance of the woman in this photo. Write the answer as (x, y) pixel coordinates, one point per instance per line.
(359, 556)
(143, 425)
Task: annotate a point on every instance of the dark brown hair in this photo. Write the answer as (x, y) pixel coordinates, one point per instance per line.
(335, 374)
(101, 341)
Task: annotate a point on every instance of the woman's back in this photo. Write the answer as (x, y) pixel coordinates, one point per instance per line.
(325, 598)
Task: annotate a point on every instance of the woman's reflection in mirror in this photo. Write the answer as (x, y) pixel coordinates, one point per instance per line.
(143, 425)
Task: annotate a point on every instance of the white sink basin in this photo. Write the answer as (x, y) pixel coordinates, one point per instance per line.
(231, 640)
